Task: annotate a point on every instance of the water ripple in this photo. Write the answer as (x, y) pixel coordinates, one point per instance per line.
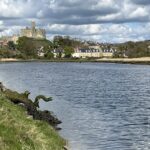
(102, 106)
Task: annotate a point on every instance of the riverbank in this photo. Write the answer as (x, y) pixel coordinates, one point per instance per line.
(142, 60)
(19, 131)
(9, 60)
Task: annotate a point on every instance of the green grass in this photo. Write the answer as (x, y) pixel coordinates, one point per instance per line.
(18, 131)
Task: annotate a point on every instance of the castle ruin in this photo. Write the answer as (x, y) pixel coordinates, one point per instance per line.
(33, 32)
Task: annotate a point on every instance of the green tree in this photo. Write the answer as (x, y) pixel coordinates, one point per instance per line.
(7, 54)
(11, 45)
(49, 55)
(62, 41)
(68, 51)
(26, 46)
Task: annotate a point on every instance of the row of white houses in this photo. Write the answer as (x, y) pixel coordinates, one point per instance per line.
(82, 53)
(97, 53)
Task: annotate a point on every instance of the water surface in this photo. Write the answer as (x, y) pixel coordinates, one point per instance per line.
(102, 106)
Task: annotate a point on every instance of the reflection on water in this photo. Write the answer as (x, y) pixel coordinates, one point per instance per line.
(102, 106)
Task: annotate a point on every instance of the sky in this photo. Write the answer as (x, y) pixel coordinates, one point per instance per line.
(112, 21)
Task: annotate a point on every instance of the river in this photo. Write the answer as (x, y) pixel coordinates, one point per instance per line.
(103, 106)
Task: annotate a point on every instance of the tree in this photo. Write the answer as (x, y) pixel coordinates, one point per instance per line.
(49, 55)
(26, 46)
(68, 51)
(62, 41)
(11, 45)
(7, 54)
(30, 47)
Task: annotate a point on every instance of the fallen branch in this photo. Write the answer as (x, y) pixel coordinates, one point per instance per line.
(31, 107)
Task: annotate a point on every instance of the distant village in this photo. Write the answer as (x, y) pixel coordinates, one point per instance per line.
(87, 50)
(78, 48)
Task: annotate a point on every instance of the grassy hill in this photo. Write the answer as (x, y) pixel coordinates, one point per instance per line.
(18, 131)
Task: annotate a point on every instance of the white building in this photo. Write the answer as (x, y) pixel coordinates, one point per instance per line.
(108, 52)
(58, 53)
(85, 53)
(91, 52)
(95, 47)
(40, 51)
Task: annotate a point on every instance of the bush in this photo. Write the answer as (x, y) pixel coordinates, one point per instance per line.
(49, 55)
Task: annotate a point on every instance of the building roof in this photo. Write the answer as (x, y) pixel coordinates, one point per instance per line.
(58, 51)
(88, 50)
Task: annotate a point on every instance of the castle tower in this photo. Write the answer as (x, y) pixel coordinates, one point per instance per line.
(33, 29)
(33, 25)
(33, 32)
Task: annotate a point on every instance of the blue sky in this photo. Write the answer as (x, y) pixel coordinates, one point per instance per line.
(99, 20)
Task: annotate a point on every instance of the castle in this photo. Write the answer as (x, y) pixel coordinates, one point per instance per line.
(33, 32)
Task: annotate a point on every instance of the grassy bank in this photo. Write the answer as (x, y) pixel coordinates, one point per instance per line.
(47, 60)
(18, 131)
(141, 60)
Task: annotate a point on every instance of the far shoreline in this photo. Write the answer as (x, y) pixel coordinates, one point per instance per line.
(141, 60)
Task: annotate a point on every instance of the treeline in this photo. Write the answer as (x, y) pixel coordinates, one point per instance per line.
(27, 48)
(133, 49)
(8, 51)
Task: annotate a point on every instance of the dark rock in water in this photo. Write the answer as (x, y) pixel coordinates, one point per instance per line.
(31, 107)
(47, 116)
(44, 116)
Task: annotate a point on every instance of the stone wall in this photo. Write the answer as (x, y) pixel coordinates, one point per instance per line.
(6, 39)
(33, 32)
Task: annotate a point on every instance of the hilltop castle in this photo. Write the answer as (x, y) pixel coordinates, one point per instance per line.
(33, 32)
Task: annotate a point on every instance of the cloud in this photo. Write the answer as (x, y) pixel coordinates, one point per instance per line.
(141, 2)
(102, 20)
(103, 32)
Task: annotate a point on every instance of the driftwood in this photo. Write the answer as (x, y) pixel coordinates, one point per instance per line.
(31, 107)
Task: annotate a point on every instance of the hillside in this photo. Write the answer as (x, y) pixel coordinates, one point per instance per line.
(133, 49)
(18, 131)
